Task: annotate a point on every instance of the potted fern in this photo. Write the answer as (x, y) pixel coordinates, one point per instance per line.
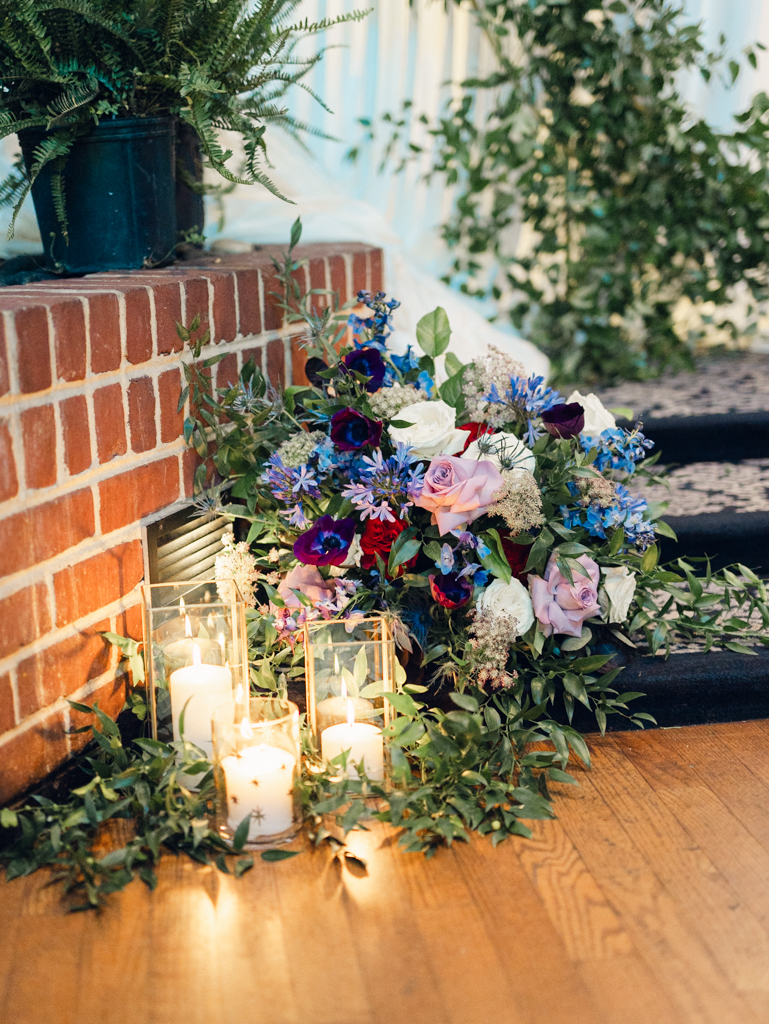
(97, 91)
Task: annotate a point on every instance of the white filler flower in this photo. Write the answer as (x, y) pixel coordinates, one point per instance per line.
(511, 598)
(431, 430)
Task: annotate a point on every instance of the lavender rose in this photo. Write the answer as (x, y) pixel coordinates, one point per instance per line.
(560, 606)
(458, 491)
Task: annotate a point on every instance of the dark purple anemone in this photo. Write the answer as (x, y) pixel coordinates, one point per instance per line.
(351, 430)
(564, 421)
(451, 590)
(326, 542)
(312, 369)
(369, 362)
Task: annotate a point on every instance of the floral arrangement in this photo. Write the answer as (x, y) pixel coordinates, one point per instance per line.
(495, 521)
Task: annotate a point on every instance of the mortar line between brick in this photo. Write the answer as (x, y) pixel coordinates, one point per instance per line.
(57, 634)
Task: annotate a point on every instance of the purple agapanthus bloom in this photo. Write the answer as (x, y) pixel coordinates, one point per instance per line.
(326, 542)
(287, 483)
(384, 485)
(369, 362)
(528, 398)
(350, 430)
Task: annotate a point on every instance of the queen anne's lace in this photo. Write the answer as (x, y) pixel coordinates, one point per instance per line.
(518, 501)
(496, 368)
(237, 563)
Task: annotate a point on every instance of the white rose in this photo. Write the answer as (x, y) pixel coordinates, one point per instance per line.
(511, 598)
(619, 586)
(495, 447)
(431, 431)
(597, 416)
(581, 97)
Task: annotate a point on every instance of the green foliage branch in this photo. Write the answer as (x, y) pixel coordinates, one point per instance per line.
(642, 218)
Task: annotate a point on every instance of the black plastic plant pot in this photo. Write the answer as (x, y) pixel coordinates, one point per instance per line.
(120, 195)
(190, 207)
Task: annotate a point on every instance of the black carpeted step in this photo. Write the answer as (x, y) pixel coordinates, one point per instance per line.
(726, 537)
(728, 437)
(692, 689)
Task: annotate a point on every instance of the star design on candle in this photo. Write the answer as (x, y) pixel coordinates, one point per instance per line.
(233, 799)
(254, 782)
(257, 814)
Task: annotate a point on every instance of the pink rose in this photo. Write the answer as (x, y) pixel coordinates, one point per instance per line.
(458, 491)
(308, 581)
(560, 606)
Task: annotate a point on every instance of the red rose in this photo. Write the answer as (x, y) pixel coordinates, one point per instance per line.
(377, 539)
(475, 431)
(517, 555)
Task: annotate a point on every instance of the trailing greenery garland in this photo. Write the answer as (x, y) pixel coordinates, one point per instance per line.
(217, 65)
(640, 218)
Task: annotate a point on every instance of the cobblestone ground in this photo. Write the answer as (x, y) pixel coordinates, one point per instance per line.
(714, 487)
(729, 384)
(735, 383)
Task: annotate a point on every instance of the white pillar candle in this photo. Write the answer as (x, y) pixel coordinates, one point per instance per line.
(206, 687)
(364, 742)
(259, 781)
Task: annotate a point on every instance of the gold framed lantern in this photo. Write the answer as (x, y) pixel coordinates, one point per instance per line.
(196, 653)
(350, 666)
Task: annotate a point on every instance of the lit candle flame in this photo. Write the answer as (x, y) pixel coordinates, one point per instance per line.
(245, 729)
(221, 641)
(336, 664)
(350, 714)
(181, 606)
(210, 620)
(187, 626)
(196, 658)
(239, 694)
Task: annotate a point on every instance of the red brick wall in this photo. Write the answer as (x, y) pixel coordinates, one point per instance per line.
(91, 450)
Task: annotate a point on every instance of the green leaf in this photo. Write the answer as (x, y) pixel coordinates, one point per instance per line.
(453, 364)
(650, 558)
(434, 332)
(274, 855)
(242, 865)
(405, 547)
(465, 701)
(451, 390)
(738, 648)
(296, 233)
(241, 834)
(8, 818)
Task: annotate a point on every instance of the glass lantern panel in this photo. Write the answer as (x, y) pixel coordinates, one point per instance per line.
(196, 632)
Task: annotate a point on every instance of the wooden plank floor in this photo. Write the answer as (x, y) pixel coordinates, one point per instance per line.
(647, 900)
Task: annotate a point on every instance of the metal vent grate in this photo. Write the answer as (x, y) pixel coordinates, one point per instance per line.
(182, 547)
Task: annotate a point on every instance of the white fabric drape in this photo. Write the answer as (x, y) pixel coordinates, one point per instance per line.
(414, 52)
